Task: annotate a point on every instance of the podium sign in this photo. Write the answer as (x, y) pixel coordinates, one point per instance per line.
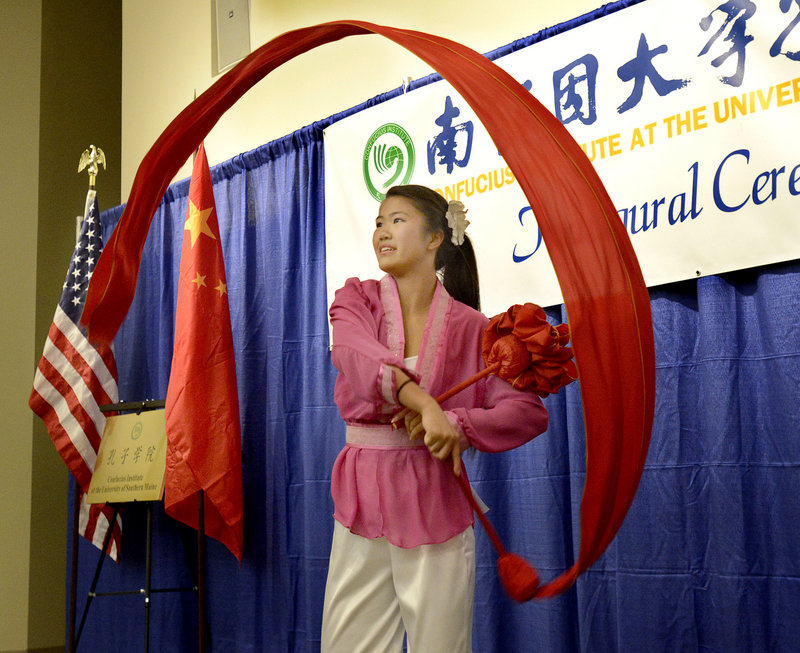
(132, 459)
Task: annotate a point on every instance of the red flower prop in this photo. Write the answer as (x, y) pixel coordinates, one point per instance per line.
(532, 354)
(524, 349)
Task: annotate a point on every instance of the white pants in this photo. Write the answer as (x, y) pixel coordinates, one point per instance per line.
(377, 591)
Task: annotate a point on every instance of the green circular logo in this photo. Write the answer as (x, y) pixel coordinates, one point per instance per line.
(136, 431)
(388, 159)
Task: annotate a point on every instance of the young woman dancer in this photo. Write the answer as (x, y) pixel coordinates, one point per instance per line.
(403, 552)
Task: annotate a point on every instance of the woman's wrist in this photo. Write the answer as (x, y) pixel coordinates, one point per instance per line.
(427, 403)
(413, 396)
(403, 385)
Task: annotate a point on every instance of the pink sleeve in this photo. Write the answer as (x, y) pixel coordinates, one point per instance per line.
(509, 418)
(357, 351)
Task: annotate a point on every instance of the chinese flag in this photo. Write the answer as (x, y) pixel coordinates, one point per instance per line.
(202, 409)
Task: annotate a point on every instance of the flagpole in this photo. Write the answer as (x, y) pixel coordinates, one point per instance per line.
(201, 543)
(91, 160)
(201, 572)
(203, 425)
(73, 583)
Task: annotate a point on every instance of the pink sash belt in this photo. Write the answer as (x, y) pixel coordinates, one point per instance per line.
(379, 435)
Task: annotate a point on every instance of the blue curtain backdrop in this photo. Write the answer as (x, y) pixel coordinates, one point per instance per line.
(707, 559)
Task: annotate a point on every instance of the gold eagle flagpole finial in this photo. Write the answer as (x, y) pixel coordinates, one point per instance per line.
(91, 159)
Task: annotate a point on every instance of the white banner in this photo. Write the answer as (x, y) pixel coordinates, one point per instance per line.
(688, 110)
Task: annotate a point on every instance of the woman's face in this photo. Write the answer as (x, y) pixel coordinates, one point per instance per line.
(401, 241)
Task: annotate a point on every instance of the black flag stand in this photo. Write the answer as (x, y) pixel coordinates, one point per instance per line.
(73, 581)
(147, 591)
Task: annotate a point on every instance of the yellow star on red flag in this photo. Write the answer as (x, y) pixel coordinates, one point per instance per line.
(197, 222)
(222, 288)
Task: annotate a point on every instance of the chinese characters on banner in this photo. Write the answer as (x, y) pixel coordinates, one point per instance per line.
(684, 113)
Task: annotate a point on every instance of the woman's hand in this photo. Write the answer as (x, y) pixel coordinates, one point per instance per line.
(438, 434)
(425, 418)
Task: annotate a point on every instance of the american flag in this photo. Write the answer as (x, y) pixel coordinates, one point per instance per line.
(74, 378)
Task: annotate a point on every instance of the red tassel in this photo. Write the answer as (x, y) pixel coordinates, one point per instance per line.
(519, 579)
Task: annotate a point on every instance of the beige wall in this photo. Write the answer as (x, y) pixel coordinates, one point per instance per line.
(61, 81)
(20, 43)
(166, 61)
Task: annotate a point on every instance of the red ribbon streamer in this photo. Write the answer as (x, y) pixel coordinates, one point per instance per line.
(602, 285)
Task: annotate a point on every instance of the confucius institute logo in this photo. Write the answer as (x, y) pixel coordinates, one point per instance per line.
(388, 159)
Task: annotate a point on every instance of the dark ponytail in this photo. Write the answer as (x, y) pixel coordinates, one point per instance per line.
(455, 263)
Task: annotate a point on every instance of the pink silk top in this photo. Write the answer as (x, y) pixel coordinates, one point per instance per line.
(382, 483)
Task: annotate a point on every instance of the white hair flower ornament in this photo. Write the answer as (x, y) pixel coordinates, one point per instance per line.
(457, 221)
